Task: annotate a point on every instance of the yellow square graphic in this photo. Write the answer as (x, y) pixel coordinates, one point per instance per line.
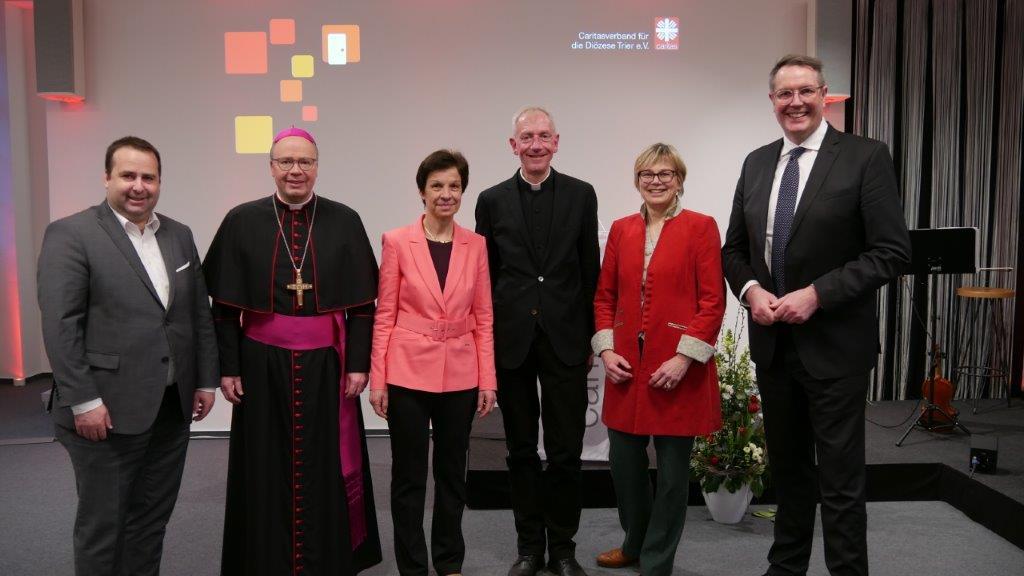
(351, 32)
(291, 90)
(253, 134)
(302, 66)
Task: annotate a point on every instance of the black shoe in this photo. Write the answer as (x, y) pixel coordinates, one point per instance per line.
(566, 567)
(527, 565)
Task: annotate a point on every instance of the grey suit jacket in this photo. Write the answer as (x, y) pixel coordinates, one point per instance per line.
(107, 334)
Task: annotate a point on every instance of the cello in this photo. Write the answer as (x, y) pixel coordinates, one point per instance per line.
(937, 414)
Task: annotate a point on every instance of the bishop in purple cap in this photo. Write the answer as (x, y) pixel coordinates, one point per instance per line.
(293, 280)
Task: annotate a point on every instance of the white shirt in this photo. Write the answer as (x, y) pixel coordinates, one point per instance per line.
(806, 161)
(146, 246)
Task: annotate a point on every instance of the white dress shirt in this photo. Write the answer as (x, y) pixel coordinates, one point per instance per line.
(806, 161)
(146, 246)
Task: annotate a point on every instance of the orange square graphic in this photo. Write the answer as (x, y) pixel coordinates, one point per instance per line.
(282, 31)
(351, 32)
(245, 52)
(291, 90)
(309, 114)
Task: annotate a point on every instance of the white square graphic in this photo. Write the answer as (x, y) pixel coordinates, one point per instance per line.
(337, 48)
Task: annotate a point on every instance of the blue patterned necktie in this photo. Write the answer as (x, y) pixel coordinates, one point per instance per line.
(785, 206)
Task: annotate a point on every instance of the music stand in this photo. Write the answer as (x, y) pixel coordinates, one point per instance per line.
(938, 251)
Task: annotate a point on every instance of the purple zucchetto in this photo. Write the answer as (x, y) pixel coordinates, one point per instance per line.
(293, 131)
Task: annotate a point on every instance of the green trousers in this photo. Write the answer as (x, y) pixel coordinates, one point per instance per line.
(653, 520)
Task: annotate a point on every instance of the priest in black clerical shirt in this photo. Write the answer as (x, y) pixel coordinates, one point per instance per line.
(293, 280)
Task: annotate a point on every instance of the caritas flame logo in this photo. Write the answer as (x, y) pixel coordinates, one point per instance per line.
(666, 33)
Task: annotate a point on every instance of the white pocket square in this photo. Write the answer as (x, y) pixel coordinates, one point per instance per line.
(183, 266)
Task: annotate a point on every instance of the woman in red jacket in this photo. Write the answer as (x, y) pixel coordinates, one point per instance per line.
(658, 309)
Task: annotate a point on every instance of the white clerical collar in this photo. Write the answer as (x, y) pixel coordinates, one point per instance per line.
(536, 186)
(291, 206)
(812, 142)
(153, 223)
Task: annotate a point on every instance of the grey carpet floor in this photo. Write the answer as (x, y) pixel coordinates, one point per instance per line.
(37, 500)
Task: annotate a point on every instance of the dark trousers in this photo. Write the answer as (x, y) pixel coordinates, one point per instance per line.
(652, 520)
(808, 420)
(127, 487)
(410, 416)
(545, 502)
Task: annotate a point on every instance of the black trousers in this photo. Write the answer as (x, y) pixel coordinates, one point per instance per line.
(127, 487)
(410, 415)
(808, 420)
(545, 502)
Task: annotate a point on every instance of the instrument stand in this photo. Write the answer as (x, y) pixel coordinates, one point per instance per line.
(940, 251)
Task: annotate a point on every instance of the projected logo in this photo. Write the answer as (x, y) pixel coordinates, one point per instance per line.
(666, 33)
(247, 53)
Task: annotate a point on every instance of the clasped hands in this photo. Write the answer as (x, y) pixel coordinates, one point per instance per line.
(793, 308)
(667, 376)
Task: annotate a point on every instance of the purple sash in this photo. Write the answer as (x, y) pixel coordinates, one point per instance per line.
(310, 333)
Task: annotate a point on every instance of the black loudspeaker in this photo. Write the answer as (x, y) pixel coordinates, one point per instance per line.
(60, 56)
(984, 453)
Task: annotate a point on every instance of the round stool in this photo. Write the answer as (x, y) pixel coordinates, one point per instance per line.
(981, 303)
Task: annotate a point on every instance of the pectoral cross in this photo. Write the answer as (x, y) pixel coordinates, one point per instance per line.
(299, 287)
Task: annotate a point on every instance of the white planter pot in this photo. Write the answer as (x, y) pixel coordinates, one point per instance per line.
(728, 507)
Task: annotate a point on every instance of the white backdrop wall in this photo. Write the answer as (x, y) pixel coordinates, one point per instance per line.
(431, 75)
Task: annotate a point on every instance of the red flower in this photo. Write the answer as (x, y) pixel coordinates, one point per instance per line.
(714, 460)
(742, 431)
(753, 407)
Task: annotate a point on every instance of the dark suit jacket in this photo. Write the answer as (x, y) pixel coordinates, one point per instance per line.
(848, 238)
(107, 334)
(558, 287)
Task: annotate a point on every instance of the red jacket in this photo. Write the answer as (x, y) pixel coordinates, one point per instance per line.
(684, 295)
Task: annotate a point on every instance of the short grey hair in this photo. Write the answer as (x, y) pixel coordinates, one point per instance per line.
(797, 60)
(532, 110)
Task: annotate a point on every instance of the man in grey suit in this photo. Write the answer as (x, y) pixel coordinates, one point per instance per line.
(127, 327)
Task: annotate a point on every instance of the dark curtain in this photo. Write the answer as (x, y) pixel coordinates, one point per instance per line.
(942, 83)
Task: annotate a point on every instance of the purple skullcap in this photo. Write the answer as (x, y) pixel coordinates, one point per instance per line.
(293, 131)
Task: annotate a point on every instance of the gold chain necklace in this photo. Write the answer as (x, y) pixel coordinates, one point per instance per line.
(435, 238)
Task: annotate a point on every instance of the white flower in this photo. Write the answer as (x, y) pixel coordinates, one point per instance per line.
(666, 30)
(725, 395)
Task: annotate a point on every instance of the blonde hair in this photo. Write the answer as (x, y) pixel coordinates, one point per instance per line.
(656, 153)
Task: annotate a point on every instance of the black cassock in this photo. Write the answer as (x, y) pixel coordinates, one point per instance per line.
(287, 511)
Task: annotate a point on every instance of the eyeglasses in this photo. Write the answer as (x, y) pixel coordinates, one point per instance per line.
(527, 138)
(785, 95)
(665, 176)
(305, 164)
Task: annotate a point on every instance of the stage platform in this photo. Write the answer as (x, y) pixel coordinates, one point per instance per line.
(927, 467)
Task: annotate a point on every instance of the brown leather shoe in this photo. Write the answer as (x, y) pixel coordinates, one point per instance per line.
(614, 558)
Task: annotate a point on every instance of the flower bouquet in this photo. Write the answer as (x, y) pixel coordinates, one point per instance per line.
(734, 456)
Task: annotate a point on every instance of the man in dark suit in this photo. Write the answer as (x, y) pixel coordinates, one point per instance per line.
(816, 229)
(541, 231)
(127, 328)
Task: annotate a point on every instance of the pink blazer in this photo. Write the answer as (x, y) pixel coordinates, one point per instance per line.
(424, 339)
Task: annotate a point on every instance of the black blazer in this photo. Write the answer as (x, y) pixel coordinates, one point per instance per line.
(526, 287)
(849, 237)
(107, 334)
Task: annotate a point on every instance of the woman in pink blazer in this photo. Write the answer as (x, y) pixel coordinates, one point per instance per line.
(432, 362)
